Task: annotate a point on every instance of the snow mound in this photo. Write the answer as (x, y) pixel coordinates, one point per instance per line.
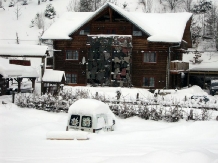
(67, 135)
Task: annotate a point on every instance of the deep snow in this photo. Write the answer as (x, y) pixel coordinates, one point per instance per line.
(23, 131)
(23, 138)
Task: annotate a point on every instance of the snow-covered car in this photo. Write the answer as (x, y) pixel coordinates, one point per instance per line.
(213, 87)
(202, 98)
(90, 115)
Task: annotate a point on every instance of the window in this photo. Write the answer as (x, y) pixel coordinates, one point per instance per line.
(149, 57)
(72, 54)
(148, 81)
(136, 31)
(71, 78)
(86, 121)
(85, 31)
(74, 120)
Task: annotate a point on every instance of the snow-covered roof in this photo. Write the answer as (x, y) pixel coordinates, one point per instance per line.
(209, 60)
(53, 75)
(205, 65)
(160, 27)
(21, 50)
(10, 70)
(89, 107)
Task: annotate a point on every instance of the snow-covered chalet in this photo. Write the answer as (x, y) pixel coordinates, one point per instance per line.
(113, 47)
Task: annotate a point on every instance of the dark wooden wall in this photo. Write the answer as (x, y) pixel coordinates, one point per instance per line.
(139, 70)
(187, 33)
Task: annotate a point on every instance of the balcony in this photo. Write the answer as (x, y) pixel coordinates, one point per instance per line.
(176, 67)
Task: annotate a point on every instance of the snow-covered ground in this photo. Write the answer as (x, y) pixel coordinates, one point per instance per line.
(23, 130)
(23, 137)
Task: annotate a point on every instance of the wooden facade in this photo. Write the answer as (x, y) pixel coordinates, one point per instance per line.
(108, 22)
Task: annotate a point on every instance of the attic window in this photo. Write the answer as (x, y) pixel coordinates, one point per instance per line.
(136, 31)
(85, 31)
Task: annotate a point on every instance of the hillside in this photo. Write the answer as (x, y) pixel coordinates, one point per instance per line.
(9, 24)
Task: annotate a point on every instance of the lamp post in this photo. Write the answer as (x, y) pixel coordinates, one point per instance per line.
(42, 72)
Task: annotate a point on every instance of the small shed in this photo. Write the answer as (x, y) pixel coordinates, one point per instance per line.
(16, 72)
(52, 80)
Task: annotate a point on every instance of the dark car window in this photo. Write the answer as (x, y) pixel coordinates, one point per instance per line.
(74, 120)
(86, 121)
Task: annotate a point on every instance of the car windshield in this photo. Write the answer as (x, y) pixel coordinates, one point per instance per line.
(86, 121)
(74, 120)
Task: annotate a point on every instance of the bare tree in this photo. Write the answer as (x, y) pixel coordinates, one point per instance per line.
(40, 20)
(1, 6)
(73, 5)
(18, 11)
(172, 4)
(188, 5)
(93, 5)
(149, 6)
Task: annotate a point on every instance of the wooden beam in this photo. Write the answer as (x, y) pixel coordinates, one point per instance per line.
(111, 14)
(21, 56)
(33, 82)
(19, 80)
(204, 72)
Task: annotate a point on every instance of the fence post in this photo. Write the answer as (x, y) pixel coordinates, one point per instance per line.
(13, 95)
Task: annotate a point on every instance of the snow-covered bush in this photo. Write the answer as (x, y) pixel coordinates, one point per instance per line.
(50, 11)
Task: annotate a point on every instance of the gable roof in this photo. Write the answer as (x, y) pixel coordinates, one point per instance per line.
(53, 75)
(21, 50)
(160, 27)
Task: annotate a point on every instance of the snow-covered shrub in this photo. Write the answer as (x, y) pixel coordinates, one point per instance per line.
(155, 114)
(143, 112)
(173, 114)
(50, 11)
(81, 93)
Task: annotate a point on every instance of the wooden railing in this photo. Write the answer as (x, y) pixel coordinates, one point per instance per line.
(179, 66)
